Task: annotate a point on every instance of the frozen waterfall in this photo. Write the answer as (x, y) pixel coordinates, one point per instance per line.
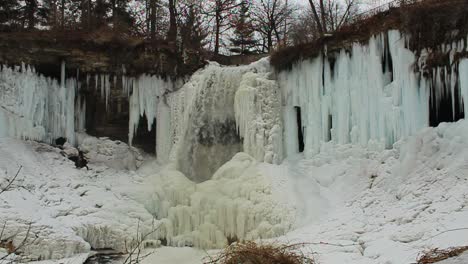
(372, 95)
(221, 111)
(36, 107)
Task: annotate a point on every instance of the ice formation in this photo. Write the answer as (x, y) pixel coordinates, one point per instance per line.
(204, 121)
(147, 93)
(257, 107)
(371, 96)
(236, 203)
(36, 107)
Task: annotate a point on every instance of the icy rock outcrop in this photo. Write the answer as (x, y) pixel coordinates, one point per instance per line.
(236, 203)
(113, 154)
(39, 108)
(371, 96)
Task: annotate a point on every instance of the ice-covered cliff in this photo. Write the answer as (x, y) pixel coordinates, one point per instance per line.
(39, 108)
(372, 94)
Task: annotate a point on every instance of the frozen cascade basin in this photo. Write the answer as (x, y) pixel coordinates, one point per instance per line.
(203, 125)
(244, 103)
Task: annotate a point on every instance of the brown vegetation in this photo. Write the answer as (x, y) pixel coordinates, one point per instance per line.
(428, 24)
(435, 255)
(253, 253)
(102, 50)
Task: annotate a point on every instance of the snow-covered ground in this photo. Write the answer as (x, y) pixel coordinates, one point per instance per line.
(352, 205)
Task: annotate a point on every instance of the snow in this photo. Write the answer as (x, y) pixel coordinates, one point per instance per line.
(113, 154)
(70, 210)
(354, 205)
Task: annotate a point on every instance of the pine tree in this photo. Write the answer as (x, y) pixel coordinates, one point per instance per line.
(9, 13)
(243, 30)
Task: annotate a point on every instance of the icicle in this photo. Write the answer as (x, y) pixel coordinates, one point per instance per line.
(62, 74)
(107, 90)
(96, 80)
(103, 85)
(36, 107)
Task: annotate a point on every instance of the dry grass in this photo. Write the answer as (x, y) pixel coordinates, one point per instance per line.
(435, 255)
(252, 253)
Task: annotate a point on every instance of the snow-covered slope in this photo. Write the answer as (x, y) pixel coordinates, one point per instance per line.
(354, 205)
(70, 210)
(363, 206)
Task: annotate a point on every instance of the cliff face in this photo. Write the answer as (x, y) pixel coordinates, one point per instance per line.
(103, 66)
(94, 52)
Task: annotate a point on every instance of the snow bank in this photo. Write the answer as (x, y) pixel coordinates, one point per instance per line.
(113, 154)
(382, 206)
(70, 210)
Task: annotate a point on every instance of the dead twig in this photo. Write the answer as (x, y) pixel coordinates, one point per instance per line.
(10, 182)
(136, 249)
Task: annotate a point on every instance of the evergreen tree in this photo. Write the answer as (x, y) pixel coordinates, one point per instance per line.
(9, 13)
(243, 30)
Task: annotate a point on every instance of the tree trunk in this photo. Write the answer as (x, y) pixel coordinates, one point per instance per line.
(153, 18)
(84, 14)
(172, 34)
(217, 34)
(114, 14)
(270, 40)
(316, 18)
(322, 13)
(31, 6)
(63, 15)
(89, 14)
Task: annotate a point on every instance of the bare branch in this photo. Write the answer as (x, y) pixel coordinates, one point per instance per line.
(10, 182)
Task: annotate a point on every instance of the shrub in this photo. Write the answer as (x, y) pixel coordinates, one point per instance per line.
(252, 253)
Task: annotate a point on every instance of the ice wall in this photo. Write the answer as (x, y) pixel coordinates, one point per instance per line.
(371, 95)
(36, 107)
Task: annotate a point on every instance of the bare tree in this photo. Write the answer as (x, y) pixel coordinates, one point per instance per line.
(218, 13)
(271, 21)
(331, 15)
(303, 28)
(172, 33)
